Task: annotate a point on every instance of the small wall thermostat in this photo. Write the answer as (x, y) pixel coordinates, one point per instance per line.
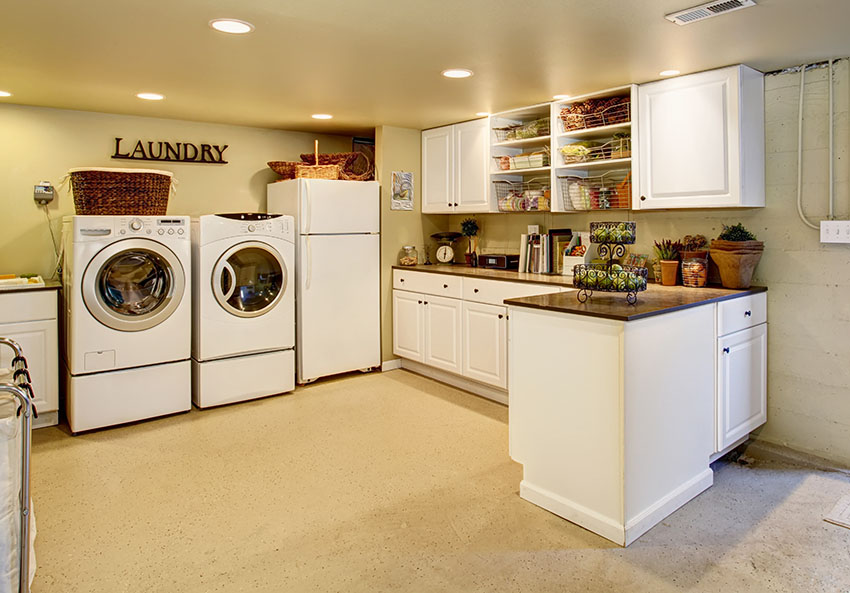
(43, 193)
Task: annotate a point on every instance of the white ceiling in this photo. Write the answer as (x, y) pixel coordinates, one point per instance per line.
(378, 62)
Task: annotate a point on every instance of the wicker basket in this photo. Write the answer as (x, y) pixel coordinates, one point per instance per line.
(317, 171)
(343, 159)
(358, 172)
(286, 169)
(103, 190)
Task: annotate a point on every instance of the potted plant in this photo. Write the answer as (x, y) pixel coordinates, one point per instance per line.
(736, 253)
(694, 247)
(667, 252)
(469, 229)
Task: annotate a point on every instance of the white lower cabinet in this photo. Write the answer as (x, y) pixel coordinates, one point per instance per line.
(741, 384)
(442, 333)
(456, 324)
(485, 333)
(408, 325)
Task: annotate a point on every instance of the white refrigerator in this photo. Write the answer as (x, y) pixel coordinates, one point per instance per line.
(337, 273)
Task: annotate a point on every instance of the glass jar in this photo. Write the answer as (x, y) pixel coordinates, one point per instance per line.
(695, 272)
(409, 256)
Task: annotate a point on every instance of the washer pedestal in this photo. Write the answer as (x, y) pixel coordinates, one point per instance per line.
(239, 378)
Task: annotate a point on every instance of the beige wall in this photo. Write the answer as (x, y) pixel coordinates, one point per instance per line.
(809, 283)
(42, 144)
(398, 149)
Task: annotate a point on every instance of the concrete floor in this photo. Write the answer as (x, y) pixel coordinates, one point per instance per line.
(390, 482)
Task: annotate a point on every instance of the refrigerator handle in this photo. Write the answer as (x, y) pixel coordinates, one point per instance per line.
(308, 206)
(309, 263)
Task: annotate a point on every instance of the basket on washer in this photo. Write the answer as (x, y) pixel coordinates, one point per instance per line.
(105, 190)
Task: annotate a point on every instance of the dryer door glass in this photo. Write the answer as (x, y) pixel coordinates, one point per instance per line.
(249, 279)
(135, 283)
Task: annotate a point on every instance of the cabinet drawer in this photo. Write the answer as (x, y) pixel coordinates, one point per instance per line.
(494, 292)
(25, 305)
(737, 314)
(428, 283)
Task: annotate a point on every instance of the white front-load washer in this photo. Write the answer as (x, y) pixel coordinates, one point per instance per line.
(243, 330)
(127, 318)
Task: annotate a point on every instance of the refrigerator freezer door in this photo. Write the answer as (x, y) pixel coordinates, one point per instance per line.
(339, 325)
(338, 207)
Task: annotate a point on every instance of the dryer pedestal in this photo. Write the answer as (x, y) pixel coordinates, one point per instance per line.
(240, 378)
(115, 397)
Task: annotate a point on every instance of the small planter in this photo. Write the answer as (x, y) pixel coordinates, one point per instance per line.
(669, 272)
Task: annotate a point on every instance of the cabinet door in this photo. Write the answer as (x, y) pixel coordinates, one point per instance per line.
(741, 384)
(408, 330)
(690, 141)
(485, 343)
(442, 333)
(471, 148)
(40, 344)
(438, 170)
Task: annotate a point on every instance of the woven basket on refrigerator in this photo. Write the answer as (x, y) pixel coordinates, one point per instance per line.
(317, 171)
(104, 190)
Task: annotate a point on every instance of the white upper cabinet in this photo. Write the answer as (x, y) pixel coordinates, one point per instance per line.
(471, 150)
(454, 168)
(701, 140)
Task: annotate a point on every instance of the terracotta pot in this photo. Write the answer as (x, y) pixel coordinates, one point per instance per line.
(736, 269)
(669, 272)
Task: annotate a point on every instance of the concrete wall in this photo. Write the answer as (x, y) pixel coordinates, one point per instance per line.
(42, 144)
(809, 283)
(398, 149)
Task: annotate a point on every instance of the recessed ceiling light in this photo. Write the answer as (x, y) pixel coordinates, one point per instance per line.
(457, 73)
(5, 94)
(150, 96)
(559, 97)
(321, 116)
(483, 113)
(233, 26)
(668, 73)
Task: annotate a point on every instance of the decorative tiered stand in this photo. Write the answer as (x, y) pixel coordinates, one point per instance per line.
(611, 239)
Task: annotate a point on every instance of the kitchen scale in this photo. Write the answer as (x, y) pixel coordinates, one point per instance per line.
(445, 248)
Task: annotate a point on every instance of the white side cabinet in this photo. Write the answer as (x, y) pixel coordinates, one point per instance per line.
(701, 140)
(30, 318)
(454, 168)
(741, 397)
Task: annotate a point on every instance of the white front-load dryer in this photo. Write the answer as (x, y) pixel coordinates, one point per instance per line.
(243, 330)
(127, 318)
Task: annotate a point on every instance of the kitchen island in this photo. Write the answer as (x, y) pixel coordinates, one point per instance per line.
(616, 411)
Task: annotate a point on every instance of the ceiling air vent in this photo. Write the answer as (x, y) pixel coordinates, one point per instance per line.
(707, 10)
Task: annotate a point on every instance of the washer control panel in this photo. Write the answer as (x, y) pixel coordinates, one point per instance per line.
(153, 226)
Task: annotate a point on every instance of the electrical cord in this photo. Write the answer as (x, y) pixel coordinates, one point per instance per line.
(57, 269)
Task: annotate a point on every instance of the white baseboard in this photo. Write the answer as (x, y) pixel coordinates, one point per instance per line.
(390, 365)
(492, 393)
(574, 512)
(650, 517)
(46, 419)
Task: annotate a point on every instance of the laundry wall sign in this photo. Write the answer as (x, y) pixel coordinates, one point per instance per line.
(175, 152)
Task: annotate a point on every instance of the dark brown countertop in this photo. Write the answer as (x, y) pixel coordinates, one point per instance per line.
(656, 300)
(489, 273)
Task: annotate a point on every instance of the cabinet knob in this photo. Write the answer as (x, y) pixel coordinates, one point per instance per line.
(420, 302)
(475, 290)
(500, 315)
(643, 198)
(445, 285)
(455, 204)
(426, 302)
(726, 351)
(748, 313)
(401, 279)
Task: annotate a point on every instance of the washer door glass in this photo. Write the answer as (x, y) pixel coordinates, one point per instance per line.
(133, 284)
(249, 279)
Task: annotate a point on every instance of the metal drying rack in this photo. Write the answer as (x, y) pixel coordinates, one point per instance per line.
(21, 390)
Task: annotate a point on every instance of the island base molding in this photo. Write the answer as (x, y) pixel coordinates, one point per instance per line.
(497, 395)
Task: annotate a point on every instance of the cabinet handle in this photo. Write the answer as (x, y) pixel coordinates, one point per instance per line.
(726, 351)
(500, 315)
(748, 313)
(455, 204)
(475, 290)
(643, 198)
(401, 279)
(426, 302)
(445, 285)
(420, 302)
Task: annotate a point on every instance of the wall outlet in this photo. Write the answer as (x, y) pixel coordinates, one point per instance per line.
(43, 193)
(835, 231)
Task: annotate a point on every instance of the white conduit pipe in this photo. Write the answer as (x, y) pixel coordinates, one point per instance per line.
(831, 150)
(808, 223)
